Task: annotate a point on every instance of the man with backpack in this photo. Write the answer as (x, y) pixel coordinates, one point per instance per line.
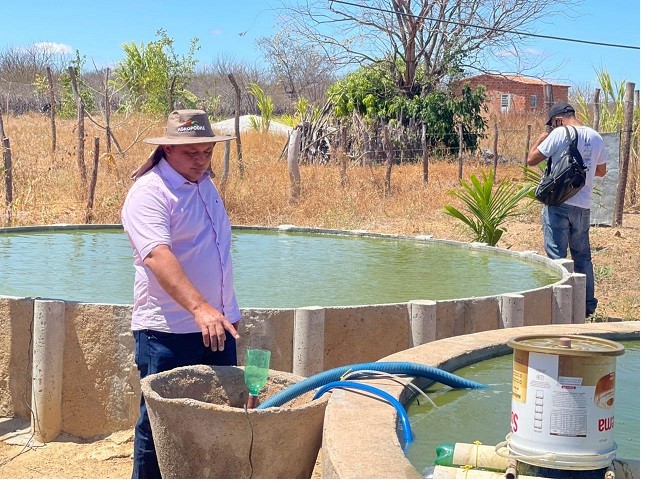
(567, 225)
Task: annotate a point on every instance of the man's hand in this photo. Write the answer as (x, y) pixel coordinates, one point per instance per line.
(213, 326)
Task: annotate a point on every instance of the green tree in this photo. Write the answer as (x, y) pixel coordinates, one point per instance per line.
(488, 208)
(371, 92)
(155, 77)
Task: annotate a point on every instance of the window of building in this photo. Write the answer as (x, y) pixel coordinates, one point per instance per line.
(505, 103)
(533, 99)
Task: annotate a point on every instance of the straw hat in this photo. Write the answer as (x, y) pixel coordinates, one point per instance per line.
(188, 126)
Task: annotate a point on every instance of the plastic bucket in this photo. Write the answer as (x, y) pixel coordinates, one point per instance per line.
(563, 400)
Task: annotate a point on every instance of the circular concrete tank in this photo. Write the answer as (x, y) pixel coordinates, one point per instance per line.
(202, 430)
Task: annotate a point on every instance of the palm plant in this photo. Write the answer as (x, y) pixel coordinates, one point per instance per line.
(265, 106)
(488, 206)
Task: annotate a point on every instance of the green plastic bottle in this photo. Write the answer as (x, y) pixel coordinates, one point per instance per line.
(255, 378)
(444, 453)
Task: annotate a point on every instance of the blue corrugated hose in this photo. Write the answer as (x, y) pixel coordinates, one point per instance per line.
(405, 368)
(403, 416)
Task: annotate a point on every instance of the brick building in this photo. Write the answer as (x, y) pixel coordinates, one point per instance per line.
(513, 93)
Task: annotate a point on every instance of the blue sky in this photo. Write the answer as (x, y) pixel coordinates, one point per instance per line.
(229, 29)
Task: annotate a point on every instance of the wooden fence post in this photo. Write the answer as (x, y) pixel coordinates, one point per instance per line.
(387, 143)
(80, 129)
(93, 181)
(527, 144)
(343, 157)
(107, 111)
(596, 109)
(460, 159)
(626, 149)
(6, 157)
(294, 163)
(495, 149)
(50, 81)
(6, 154)
(226, 167)
(634, 175)
(424, 155)
(366, 147)
(237, 115)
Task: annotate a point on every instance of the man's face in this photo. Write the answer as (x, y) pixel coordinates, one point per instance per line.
(190, 161)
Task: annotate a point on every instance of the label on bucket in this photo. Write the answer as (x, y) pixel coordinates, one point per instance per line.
(563, 406)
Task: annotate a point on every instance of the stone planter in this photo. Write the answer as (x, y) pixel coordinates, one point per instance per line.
(202, 430)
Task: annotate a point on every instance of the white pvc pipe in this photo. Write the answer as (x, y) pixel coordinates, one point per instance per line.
(450, 472)
(47, 369)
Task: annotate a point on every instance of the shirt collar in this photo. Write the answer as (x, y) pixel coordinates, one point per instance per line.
(173, 177)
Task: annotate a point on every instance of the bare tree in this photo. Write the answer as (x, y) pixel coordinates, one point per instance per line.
(440, 37)
(19, 68)
(212, 82)
(301, 70)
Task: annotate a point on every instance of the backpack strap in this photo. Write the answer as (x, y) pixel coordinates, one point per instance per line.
(575, 140)
(572, 142)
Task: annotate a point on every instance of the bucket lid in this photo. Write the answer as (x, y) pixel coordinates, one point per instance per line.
(575, 345)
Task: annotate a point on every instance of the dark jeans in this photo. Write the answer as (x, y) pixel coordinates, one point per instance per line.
(156, 352)
(567, 227)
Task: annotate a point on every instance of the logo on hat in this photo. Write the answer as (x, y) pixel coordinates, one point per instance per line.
(190, 125)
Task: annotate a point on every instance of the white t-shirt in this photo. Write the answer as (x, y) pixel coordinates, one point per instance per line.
(591, 147)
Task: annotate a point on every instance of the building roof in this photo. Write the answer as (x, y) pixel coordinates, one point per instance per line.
(517, 78)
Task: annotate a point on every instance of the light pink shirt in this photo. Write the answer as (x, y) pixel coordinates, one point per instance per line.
(162, 207)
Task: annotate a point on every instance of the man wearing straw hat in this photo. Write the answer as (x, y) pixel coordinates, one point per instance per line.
(185, 310)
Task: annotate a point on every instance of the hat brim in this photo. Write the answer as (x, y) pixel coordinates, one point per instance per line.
(165, 140)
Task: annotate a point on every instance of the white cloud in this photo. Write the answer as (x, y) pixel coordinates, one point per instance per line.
(536, 52)
(216, 32)
(54, 48)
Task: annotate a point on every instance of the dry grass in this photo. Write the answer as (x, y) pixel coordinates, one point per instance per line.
(48, 190)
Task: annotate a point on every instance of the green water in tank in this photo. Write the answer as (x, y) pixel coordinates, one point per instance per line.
(272, 269)
(464, 415)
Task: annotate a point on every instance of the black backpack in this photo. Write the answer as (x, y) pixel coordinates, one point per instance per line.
(565, 177)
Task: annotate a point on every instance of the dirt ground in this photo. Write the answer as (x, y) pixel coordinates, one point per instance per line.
(616, 256)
